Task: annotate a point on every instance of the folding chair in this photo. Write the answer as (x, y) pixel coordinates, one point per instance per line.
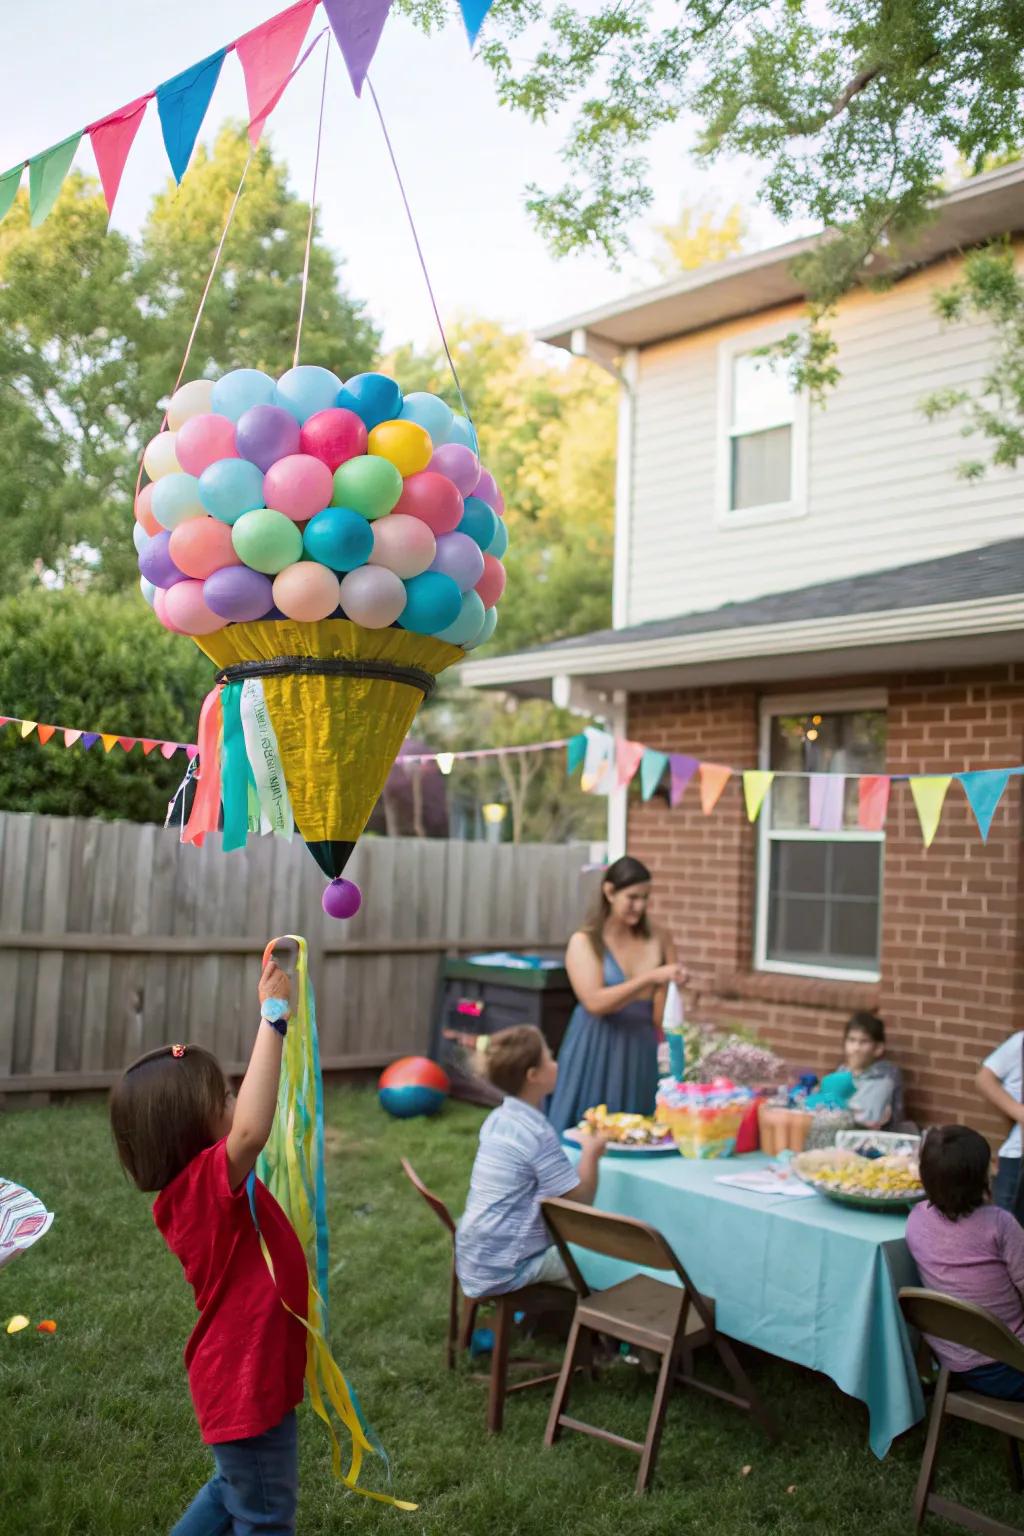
(672, 1321)
(961, 1322)
(462, 1315)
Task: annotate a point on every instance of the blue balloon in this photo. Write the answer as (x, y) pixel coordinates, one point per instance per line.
(490, 625)
(428, 412)
(469, 622)
(340, 538)
(374, 398)
(463, 431)
(147, 589)
(241, 389)
(478, 521)
(433, 601)
(229, 487)
(498, 547)
(306, 390)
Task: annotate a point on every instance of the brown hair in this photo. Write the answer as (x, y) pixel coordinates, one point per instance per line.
(511, 1054)
(163, 1111)
(620, 876)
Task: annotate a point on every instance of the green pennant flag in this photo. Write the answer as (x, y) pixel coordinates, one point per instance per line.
(575, 752)
(10, 181)
(46, 173)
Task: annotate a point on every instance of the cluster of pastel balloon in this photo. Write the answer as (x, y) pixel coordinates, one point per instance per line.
(305, 498)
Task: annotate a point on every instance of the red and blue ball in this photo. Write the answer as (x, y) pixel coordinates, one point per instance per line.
(412, 1086)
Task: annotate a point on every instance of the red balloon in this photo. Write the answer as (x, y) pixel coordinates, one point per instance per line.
(492, 583)
(433, 499)
(334, 436)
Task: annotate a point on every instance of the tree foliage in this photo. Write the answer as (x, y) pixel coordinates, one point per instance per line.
(699, 237)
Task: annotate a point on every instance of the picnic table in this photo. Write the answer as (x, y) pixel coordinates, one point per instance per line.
(805, 1279)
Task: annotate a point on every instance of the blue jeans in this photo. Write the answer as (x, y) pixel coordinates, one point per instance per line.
(254, 1490)
(1004, 1189)
(994, 1379)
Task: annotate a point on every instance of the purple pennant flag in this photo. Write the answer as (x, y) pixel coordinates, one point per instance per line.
(357, 26)
(681, 770)
(90, 739)
(827, 797)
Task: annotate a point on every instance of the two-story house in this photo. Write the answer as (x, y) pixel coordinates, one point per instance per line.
(812, 589)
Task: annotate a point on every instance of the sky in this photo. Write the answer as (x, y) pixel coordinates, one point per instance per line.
(464, 159)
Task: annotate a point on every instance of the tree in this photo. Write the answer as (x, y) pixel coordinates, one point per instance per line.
(698, 238)
(102, 664)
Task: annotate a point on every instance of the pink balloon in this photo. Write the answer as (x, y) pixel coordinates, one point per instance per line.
(202, 545)
(492, 583)
(459, 463)
(372, 596)
(298, 485)
(188, 612)
(160, 609)
(403, 544)
(486, 489)
(433, 499)
(306, 592)
(203, 440)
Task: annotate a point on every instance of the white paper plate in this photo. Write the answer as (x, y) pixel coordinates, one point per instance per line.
(619, 1149)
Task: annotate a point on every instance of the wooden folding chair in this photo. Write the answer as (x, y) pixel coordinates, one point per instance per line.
(462, 1316)
(672, 1321)
(961, 1322)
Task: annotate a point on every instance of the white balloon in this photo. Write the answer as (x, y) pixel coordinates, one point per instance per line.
(140, 536)
(160, 457)
(147, 589)
(194, 399)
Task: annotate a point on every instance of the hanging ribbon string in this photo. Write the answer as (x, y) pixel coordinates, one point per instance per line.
(312, 200)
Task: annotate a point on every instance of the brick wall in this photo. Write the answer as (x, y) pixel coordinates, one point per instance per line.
(952, 982)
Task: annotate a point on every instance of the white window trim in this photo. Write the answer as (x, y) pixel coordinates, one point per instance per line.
(776, 512)
(840, 702)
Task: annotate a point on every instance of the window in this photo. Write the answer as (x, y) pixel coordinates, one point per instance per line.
(819, 893)
(762, 449)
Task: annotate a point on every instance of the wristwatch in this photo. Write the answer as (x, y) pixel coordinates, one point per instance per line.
(276, 1010)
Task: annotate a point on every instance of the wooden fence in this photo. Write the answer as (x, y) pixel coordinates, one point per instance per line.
(114, 938)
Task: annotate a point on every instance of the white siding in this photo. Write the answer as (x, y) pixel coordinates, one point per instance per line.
(882, 480)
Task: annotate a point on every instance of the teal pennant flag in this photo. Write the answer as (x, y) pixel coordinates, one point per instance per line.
(652, 766)
(984, 790)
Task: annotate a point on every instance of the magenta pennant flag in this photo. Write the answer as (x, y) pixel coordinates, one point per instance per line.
(681, 770)
(266, 55)
(357, 25)
(112, 137)
(826, 801)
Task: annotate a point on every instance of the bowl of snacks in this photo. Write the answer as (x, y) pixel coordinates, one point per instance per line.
(888, 1183)
(623, 1132)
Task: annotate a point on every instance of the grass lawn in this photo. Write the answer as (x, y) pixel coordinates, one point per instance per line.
(97, 1436)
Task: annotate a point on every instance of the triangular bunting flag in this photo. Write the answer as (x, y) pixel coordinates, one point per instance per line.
(147, 747)
(112, 137)
(575, 752)
(70, 737)
(873, 801)
(357, 25)
(597, 764)
(826, 796)
(191, 753)
(46, 173)
(168, 749)
(44, 732)
(756, 784)
(681, 770)
(652, 766)
(984, 790)
(27, 727)
(628, 755)
(266, 55)
(182, 102)
(713, 779)
(4, 720)
(109, 743)
(473, 13)
(126, 742)
(89, 739)
(929, 792)
(10, 181)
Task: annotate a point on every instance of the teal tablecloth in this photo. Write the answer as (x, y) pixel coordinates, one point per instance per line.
(809, 1280)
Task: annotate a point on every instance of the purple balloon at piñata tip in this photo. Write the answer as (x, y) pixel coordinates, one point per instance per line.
(459, 557)
(155, 562)
(342, 899)
(238, 593)
(266, 433)
(459, 463)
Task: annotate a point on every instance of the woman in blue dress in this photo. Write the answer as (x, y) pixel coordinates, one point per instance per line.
(619, 966)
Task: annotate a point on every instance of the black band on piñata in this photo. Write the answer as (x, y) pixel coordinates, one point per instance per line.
(316, 666)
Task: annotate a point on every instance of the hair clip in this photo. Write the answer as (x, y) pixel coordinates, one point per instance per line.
(177, 1051)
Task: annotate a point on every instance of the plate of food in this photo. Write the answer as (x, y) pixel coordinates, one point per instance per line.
(888, 1183)
(626, 1134)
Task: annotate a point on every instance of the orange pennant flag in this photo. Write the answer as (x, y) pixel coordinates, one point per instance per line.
(70, 737)
(713, 779)
(127, 742)
(109, 743)
(45, 732)
(27, 727)
(147, 747)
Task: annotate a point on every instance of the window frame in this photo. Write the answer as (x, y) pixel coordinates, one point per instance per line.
(771, 512)
(844, 703)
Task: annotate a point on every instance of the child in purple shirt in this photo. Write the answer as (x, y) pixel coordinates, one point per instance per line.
(970, 1249)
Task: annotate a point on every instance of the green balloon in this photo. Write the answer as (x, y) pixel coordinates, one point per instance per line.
(369, 485)
(267, 541)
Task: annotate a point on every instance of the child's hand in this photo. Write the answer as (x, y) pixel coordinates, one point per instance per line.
(275, 983)
(594, 1143)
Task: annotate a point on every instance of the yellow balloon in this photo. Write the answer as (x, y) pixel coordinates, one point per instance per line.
(160, 458)
(404, 444)
(17, 1323)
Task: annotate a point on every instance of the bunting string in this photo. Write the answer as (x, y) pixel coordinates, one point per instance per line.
(312, 207)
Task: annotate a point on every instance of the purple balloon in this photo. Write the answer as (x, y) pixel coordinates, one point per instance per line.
(266, 433)
(342, 899)
(155, 562)
(238, 593)
(486, 489)
(458, 462)
(459, 557)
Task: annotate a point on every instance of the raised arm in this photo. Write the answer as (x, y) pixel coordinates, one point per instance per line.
(587, 978)
(257, 1097)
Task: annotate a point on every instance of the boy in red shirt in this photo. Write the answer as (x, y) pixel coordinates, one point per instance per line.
(179, 1130)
